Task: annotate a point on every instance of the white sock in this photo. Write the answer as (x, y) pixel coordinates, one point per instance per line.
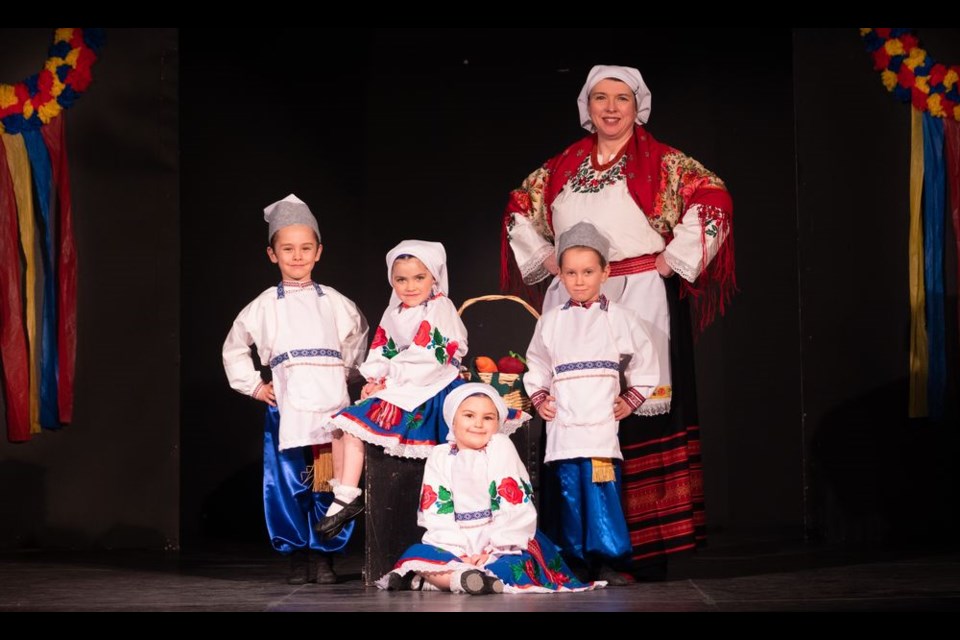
(344, 493)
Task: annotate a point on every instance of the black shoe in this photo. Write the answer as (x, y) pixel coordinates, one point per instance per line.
(299, 568)
(325, 573)
(477, 583)
(330, 526)
(612, 577)
(396, 582)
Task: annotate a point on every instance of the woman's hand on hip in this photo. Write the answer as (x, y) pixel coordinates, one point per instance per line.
(664, 269)
(550, 264)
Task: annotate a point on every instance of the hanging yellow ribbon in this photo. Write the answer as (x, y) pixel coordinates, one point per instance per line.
(19, 164)
(919, 357)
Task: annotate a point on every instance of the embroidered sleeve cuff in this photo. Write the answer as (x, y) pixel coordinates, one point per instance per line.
(256, 389)
(684, 270)
(533, 270)
(633, 398)
(539, 398)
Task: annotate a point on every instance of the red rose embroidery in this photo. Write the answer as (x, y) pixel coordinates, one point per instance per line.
(379, 338)
(452, 349)
(510, 491)
(427, 498)
(422, 338)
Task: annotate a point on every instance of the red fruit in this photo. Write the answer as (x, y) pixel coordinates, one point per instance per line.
(509, 364)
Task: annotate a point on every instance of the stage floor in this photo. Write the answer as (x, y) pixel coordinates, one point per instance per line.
(734, 574)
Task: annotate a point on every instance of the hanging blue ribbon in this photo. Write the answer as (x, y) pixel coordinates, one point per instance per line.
(933, 241)
(43, 182)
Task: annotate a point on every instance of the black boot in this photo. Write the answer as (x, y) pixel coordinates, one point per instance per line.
(299, 567)
(325, 573)
(477, 583)
(612, 576)
(396, 582)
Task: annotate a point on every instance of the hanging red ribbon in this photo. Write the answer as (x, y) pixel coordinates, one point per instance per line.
(13, 339)
(951, 131)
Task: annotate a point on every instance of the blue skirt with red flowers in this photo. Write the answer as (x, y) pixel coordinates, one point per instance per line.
(539, 569)
(405, 434)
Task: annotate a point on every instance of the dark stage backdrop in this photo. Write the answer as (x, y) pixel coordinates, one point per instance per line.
(872, 475)
(421, 134)
(111, 479)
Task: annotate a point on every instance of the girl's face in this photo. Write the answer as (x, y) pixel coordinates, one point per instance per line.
(475, 422)
(613, 109)
(411, 280)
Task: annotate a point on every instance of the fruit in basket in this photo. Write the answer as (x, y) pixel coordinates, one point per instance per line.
(513, 363)
(483, 364)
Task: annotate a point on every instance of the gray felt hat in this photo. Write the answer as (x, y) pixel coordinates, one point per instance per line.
(583, 234)
(290, 210)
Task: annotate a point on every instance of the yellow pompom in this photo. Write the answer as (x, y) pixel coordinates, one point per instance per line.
(865, 30)
(915, 59)
(935, 106)
(950, 79)
(922, 83)
(889, 79)
(894, 47)
(27, 109)
(49, 111)
(71, 58)
(64, 34)
(7, 95)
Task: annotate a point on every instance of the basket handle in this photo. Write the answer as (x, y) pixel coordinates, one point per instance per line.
(493, 298)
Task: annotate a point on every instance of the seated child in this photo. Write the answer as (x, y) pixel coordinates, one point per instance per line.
(413, 363)
(476, 505)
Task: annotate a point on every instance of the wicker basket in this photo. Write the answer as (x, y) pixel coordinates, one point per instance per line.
(508, 385)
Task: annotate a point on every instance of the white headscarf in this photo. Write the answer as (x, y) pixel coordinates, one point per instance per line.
(628, 75)
(464, 391)
(431, 254)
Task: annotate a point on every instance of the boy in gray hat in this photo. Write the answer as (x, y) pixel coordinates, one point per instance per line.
(312, 337)
(574, 383)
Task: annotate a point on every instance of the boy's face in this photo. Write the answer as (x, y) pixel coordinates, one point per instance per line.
(411, 280)
(475, 422)
(295, 250)
(582, 274)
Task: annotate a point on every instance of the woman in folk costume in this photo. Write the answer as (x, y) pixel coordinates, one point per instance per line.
(666, 216)
(312, 337)
(413, 363)
(476, 505)
(574, 382)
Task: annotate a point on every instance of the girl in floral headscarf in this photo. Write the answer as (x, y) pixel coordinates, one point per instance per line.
(476, 505)
(413, 363)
